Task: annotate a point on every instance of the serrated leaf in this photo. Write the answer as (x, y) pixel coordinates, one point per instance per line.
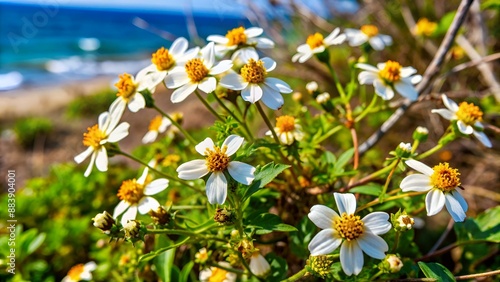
(263, 176)
(370, 189)
(152, 255)
(436, 271)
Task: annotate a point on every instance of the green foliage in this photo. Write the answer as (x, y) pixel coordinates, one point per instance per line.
(29, 130)
(91, 105)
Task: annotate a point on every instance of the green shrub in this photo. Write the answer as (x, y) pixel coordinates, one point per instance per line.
(91, 105)
(28, 130)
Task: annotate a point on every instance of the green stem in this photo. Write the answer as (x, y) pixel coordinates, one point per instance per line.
(376, 275)
(388, 180)
(430, 152)
(207, 105)
(296, 276)
(414, 147)
(396, 241)
(237, 271)
(185, 233)
(340, 89)
(176, 124)
(245, 126)
(367, 110)
(377, 201)
(330, 133)
(176, 208)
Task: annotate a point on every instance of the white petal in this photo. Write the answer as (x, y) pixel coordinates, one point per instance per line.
(464, 128)
(177, 78)
(434, 201)
(332, 35)
(367, 77)
(101, 161)
(136, 103)
(351, 258)
(338, 40)
(416, 182)
(278, 84)
(130, 214)
(450, 104)
(117, 108)
(241, 172)
(253, 31)
(415, 79)
(143, 177)
(217, 188)
(252, 93)
(420, 167)
(272, 98)
(165, 122)
(377, 43)
(269, 63)
(103, 121)
(322, 216)
(382, 90)
(156, 186)
(264, 43)
(357, 39)
(454, 207)
(120, 208)
(218, 39)
(233, 81)
(447, 114)
(150, 136)
(306, 56)
(221, 67)
(386, 38)
(85, 154)
(208, 54)
(202, 147)
(192, 170)
(482, 138)
(179, 46)
(90, 266)
(304, 48)
(377, 222)
(120, 132)
(245, 55)
(373, 245)
(407, 71)
(147, 204)
(460, 199)
(367, 67)
(188, 55)
(346, 203)
(406, 90)
(91, 164)
(233, 143)
(208, 84)
(324, 243)
(181, 93)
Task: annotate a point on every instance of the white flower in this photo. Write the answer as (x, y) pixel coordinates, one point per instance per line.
(217, 274)
(259, 265)
(390, 76)
(128, 91)
(254, 83)
(196, 73)
(467, 116)
(311, 86)
(157, 125)
(442, 182)
(164, 60)
(323, 98)
(287, 130)
(217, 162)
(356, 235)
(240, 37)
(368, 33)
(315, 44)
(80, 272)
(106, 130)
(135, 196)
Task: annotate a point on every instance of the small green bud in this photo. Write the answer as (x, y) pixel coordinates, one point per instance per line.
(420, 134)
(391, 264)
(403, 150)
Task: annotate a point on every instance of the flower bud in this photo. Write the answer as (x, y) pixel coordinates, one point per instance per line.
(323, 98)
(246, 248)
(391, 264)
(420, 134)
(312, 87)
(297, 96)
(320, 265)
(401, 221)
(259, 265)
(160, 216)
(104, 221)
(132, 229)
(224, 216)
(403, 150)
(202, 256)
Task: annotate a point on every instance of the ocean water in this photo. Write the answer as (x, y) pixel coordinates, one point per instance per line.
(42, 45)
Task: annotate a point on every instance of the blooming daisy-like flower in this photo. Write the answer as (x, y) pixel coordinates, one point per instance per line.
(254, 83)
(129, 88)
(240, 37)
(196, 73)
(287, 130)
(368, 33)
(215, 274)
(467, 116)
(355, 234)
(135, 196)
(217, 162)
(442, 182)
(259, 265)
(80, 272)
(105, 131)
(157, 125)
(424, 27)
(164, 60)
(316, 43)
(390, 76)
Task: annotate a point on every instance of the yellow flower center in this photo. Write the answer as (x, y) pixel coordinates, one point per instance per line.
(126, 86)
(391, 72)
(93, 137)
(254, 71)
(217, 159)
(75, 272)
(425, 27)
(218, 275)
(162, 59)
(369, 30)
(196, 70)
(285, 123)
(314, 40)
(445, 178)
(155, 123)
(469, 113)
(131, 191)
(349, 227)
(236, 36)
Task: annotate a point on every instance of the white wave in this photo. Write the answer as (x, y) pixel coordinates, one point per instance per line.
(10, 80)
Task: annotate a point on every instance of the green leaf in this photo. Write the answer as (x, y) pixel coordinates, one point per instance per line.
(152, 255)
(279, 267)
(186, 270)
(343, 159)
(370, 189)
(35, 243)
(263, 176)
(300, 239)
(485, 227)
(436, 271)
(267, 222)
(444, 23)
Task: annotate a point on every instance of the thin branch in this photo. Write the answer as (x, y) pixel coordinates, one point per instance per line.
(431, 71)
